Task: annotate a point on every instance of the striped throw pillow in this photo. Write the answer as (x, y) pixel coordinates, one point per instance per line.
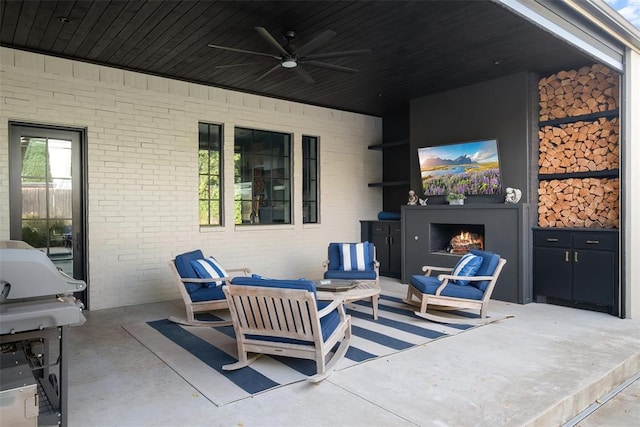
(467, 266)
(209, 268)
(355, 257)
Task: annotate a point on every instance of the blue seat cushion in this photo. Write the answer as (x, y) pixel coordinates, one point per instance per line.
(467, 266)
(185, 269)
(487, 268)
(429, 285)
(205, 293)
(350, 275)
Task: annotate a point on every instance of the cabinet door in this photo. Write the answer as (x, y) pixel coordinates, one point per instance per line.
(415, 242)
(594, 277)
(395, 250)
(552, 272)
(380, 238)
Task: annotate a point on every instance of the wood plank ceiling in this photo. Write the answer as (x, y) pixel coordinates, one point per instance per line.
(417, 47)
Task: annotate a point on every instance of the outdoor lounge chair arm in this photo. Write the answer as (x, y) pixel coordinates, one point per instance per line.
(328, 309)
(245, 270)
(199, 280)
(474, 278)
(428, 269)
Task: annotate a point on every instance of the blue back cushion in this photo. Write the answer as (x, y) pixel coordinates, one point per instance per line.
(487, 268)
(185, 269)
(468, 265)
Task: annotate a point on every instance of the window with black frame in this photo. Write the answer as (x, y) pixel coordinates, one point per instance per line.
(309, 179)
(210, 174)
(262, 172)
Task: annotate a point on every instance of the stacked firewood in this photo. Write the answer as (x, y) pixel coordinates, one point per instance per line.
(575, 93)
(579, 147)
(579, 202)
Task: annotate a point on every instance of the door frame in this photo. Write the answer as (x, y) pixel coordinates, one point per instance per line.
(15, 195)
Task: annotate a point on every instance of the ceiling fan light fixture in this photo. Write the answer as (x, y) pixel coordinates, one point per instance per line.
(289, 63)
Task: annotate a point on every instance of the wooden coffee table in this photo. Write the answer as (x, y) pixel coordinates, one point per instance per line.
(350, 290)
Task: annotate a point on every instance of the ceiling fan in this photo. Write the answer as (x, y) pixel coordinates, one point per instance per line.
(291, 58)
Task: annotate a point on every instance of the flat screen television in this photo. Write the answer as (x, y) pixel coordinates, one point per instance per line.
(470, 168)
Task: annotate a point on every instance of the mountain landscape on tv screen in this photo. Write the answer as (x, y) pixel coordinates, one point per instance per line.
(445, 170)
(437, 161)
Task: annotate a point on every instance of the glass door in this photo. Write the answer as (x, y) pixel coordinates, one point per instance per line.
(46, 194)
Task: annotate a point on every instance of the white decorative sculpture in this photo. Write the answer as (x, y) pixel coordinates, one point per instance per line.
(513, 195)
(413, 199)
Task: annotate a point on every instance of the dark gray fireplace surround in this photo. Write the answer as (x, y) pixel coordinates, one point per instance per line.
(506, 232)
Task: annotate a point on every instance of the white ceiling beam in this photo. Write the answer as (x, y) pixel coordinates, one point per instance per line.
(552, 18)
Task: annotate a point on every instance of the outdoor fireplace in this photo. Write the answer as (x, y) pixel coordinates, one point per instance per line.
(456, 239)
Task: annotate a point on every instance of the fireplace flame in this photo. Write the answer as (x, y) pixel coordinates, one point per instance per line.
(463, 242)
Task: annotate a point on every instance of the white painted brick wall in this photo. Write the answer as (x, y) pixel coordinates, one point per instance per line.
(142, 179)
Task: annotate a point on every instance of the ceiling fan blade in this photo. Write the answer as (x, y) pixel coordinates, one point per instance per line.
(233, 49)
(330, 66)
(314, 43)
(238, 65)
(271, 70)
(303, 74)
(273, 42)
(338, 54)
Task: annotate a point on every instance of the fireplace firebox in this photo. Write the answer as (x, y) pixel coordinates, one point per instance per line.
(455, 239)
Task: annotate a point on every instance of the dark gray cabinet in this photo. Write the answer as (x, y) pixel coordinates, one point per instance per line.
(387, 238)
(579, 266)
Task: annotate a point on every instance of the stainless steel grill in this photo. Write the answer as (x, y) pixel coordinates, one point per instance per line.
(37, 308)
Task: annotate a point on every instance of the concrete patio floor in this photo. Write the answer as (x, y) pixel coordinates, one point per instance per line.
(541, 367)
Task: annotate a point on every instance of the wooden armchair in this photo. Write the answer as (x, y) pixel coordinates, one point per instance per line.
(200, 294)
(463, 288)
(351, 261)
(283, 318)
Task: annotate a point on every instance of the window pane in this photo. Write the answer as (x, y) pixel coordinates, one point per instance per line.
(310, 179)
(210, 175)
(262, 177)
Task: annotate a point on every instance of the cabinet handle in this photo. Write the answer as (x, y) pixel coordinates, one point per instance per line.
(390, 240)
(566, 256)
(552, 239)
(575, 257)
(593, 242)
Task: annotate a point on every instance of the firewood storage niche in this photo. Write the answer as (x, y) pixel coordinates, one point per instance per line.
(575, 255)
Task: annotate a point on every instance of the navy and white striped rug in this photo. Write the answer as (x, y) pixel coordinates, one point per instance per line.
(197, 354)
